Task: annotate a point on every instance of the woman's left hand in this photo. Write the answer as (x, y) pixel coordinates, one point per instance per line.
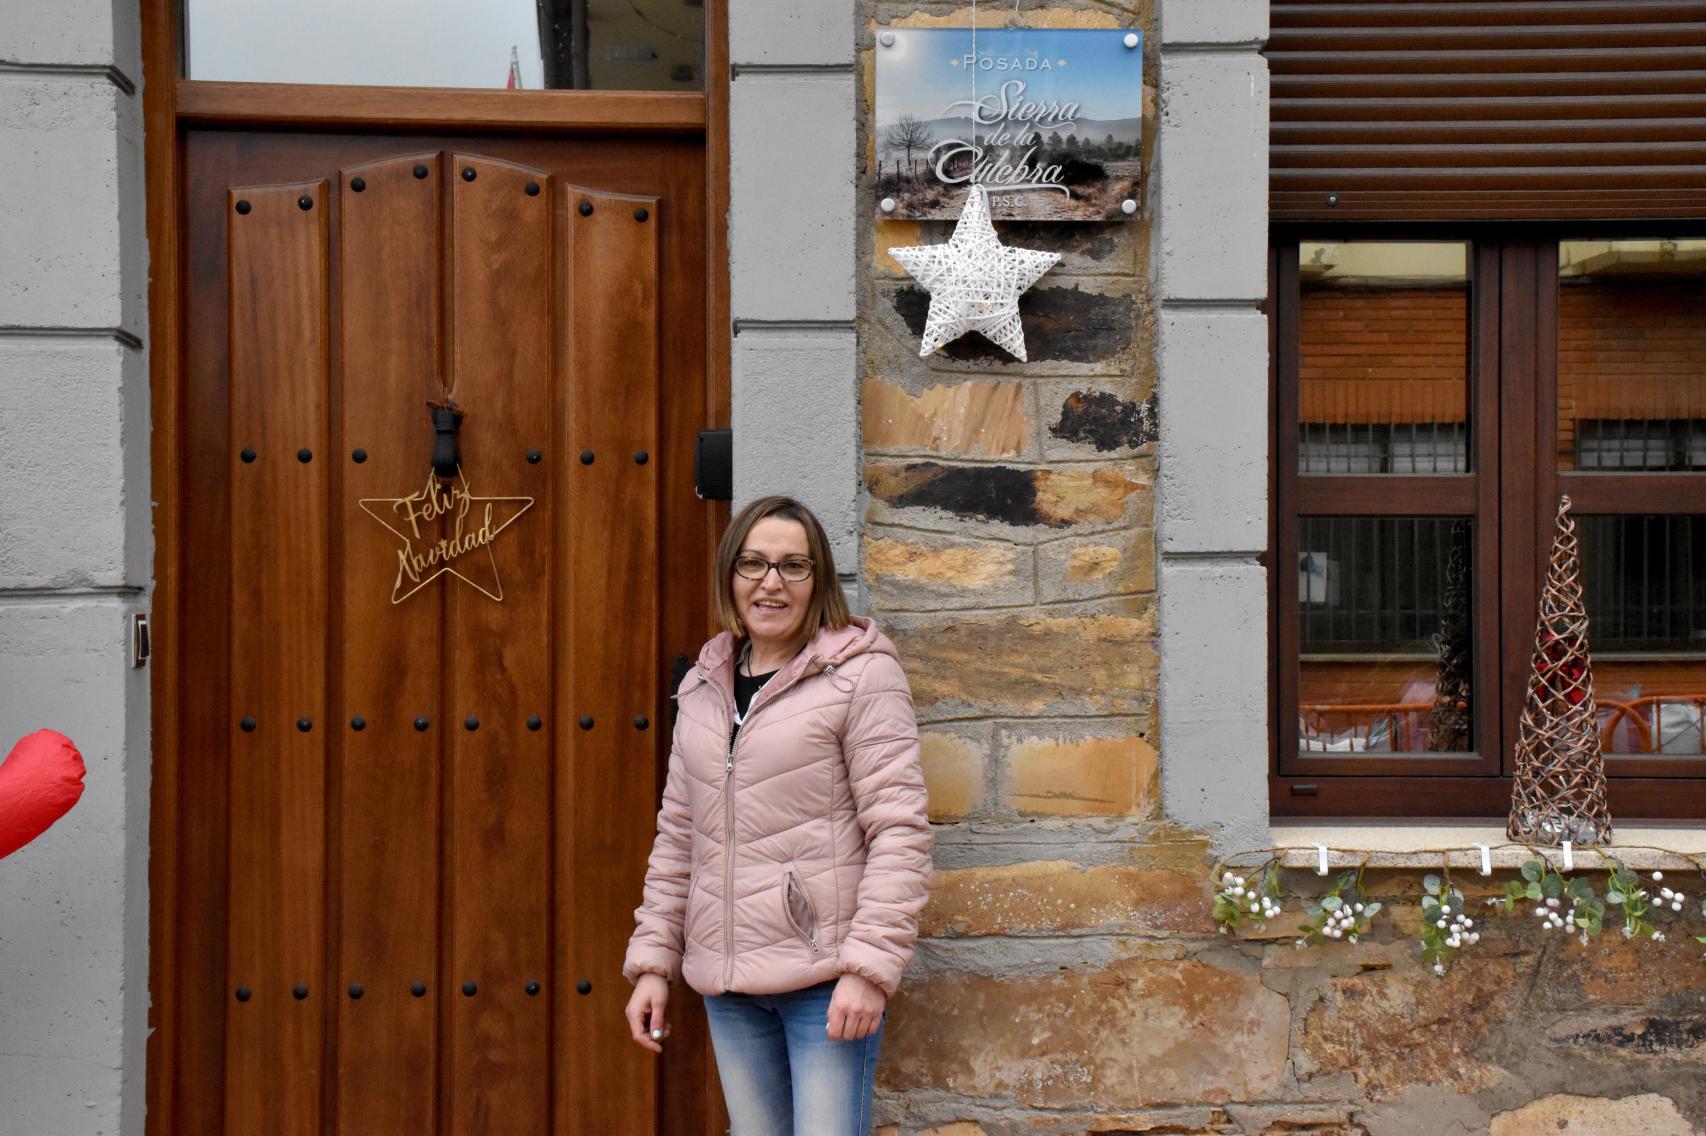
(856, 1008)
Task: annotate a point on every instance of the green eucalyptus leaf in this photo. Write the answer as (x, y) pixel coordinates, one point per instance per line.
(1533, 892)
(1370, 911)
(1532, 871)
(1430, 884)
(1332, 903)
(1614, 896)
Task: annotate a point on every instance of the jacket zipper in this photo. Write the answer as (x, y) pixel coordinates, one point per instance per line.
(794, 885)
(729, 814)
(729, 848)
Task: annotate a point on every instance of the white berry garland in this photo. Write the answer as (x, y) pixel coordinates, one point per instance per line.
(1345, 912)
(1254, 900)
(1560, 900)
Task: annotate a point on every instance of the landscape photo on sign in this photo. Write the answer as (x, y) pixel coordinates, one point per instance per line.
(1054, 129)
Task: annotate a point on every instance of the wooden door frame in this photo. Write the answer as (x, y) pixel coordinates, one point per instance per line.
(170, 106)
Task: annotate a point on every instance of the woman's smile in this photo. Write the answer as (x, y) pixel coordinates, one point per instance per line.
(773, 610)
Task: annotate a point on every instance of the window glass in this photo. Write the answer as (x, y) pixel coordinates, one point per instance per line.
(528, 44)
(1387, 633)
(1632, 355)
(1383, 368)
(1645, 584)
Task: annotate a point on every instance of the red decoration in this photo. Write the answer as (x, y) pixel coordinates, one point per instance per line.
(39, 782)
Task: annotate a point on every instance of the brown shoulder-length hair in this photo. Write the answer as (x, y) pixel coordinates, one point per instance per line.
(828, 606)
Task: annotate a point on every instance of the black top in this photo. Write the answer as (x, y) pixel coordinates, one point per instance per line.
(746, 687)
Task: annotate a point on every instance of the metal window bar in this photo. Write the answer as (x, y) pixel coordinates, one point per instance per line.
(1645, 578)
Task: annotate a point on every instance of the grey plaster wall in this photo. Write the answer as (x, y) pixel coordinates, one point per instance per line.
(75, 556)
(791, 260)
(1212, 516)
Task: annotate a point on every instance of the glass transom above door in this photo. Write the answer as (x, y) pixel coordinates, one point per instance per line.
(635, 45)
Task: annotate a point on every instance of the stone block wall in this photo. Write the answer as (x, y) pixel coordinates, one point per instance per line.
(75, 560)
(1066, 552)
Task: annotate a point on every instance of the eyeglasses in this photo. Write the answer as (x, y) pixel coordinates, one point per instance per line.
(795, 569)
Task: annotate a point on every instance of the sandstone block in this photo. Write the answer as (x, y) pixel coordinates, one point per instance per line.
(1398, 1027)
(973, 419)
(1139, 1033)
(1062, 324)
(1612, 970)
(1089, 326)
(1108, 775)
(923, 573)
(1085, 568)
(1023, 498)
(953, 773)
(1002, 665)
(1085, 250)
(1054, 896)
(1649, 1114)
(961, 17)
(1090, 420)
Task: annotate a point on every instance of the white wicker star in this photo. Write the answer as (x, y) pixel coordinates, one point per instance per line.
(974, 280)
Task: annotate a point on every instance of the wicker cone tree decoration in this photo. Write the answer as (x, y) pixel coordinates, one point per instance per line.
(1559, 789)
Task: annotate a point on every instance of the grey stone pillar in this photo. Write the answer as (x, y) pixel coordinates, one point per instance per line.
(1212, 522)
(75, 559)
(791, 225)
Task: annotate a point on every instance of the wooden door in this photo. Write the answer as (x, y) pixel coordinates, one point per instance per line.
(423, 718)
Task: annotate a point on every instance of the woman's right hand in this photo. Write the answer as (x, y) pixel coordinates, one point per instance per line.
(646, 1011)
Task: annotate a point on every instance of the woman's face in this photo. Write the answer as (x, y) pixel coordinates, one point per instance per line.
(773, 610)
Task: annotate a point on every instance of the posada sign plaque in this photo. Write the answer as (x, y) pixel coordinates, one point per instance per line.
(1049, 121)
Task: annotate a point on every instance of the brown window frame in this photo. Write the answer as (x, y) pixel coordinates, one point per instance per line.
(1511, 492)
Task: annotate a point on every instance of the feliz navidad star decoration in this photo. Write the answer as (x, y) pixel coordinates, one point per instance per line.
(974, 280)
(428, 552)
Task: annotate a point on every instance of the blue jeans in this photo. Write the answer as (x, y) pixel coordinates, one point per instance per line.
(781, 1073)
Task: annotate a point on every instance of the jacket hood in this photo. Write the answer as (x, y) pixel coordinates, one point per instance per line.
(830, 647)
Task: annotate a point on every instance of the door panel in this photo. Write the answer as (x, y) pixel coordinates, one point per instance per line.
(390, 778)
(611, 337)
(421, 861)
(498, 812)
(276, 714)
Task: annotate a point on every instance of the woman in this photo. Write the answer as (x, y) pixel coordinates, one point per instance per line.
(793, 853)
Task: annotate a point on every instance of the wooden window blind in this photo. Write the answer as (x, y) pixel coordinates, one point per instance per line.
(1497, 109)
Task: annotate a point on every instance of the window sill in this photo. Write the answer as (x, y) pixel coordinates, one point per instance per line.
(1415, 845)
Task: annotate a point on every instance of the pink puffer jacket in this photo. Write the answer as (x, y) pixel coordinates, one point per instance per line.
(805, 851)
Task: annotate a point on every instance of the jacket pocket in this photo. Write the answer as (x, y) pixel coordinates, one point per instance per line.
(797, 902)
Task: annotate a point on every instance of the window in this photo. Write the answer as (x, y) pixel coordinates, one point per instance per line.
(529, 45)
(1433, 397)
